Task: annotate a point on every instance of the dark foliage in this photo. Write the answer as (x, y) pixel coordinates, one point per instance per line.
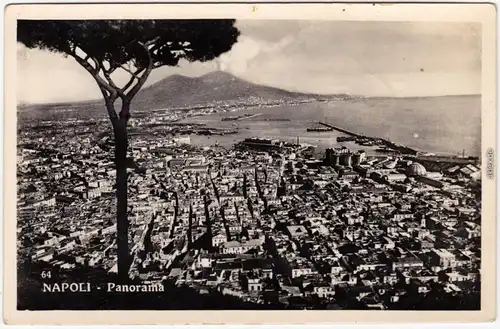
(117, 41)
(135, 46)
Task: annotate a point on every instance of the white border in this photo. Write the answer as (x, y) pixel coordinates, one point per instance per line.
(485, 14)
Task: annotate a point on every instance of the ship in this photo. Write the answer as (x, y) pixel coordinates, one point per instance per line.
(320, 129)
(365, 142)
(235, 118)
(277, 119)
(239, 117)
(346, 139)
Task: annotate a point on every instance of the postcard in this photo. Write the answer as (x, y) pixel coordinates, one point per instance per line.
(250, 163)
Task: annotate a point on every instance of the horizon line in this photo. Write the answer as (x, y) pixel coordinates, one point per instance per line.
(93, 100)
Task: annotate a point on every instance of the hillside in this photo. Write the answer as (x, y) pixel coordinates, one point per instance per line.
(215, 87)
(178, 91)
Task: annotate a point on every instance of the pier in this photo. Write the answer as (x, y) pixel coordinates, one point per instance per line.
(241, 117)
(345, 131)
(400, 148)
(409, 153)
(448, 159)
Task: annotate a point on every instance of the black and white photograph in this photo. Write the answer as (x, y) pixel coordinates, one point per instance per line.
(249, 164)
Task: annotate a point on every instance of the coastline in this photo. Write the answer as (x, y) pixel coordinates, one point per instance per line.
(424, 138)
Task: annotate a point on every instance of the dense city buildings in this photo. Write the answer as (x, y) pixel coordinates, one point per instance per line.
(267, 222)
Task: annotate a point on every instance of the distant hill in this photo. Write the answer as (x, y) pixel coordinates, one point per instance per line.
(177, 91)
(215, 87)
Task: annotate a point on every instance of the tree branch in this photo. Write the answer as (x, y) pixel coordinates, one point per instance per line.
(112, 83)
(96, 63)
(110, 101)
(111, 69)
(157, 65)
(156, 48)
(134, 76)
(113, 65)
(128, 84)
(144, 76)
(92, 71)
(108, 92)
(105, 93)
(150, 42)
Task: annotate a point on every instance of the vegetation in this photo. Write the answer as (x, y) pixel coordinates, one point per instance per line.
(137, 47)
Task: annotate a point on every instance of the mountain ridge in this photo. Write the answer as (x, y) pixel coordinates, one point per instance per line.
(182, 91)
(214, 88)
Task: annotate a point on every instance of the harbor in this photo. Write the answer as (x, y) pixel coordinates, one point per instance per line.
(389, 147)
(369, 141)
(286, 123)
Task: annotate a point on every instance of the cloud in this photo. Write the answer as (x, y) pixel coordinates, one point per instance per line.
(246, 49)
(375, 59)
(50, 77)
(362, 58)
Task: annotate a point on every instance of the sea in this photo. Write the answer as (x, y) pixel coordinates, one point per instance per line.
(448, 125)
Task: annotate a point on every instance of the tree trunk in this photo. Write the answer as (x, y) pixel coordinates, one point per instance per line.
(121, 146)
(190, 227)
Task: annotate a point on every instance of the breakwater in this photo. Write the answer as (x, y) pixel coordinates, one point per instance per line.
(400, 148)
(345, 131)
(408, 151)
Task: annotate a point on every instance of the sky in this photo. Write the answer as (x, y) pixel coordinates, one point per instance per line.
(394, 59)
